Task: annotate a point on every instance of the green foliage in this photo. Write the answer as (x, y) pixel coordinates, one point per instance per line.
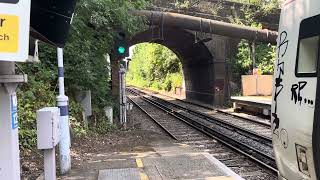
(264, 53)
(266, 5)
(102, 126)
(184, 4)
(34, 95)
(95, 25)
(77, 127)
(265, 56)
(155, 66)
(91, 37)
(172, 81)
(252, 14)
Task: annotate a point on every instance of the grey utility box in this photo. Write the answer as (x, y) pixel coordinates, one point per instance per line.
(48, 127)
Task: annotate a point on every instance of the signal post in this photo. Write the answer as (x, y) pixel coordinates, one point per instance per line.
(14, 47)
(121, 51)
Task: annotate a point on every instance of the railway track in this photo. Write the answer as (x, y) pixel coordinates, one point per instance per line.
(256, 126)
(262, 121)
(232, 146)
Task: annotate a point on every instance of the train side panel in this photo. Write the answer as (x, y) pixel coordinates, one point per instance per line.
(294, 94)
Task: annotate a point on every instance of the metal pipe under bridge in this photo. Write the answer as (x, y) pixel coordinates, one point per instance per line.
(207, 25)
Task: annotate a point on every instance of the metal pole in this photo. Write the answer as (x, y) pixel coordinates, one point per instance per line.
(120, 96)
(253, 55)
(123, 112)
(62, 101)
(124, 98)
(9, 141)
(50, 164)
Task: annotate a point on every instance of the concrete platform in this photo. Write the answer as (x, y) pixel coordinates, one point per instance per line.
(259, 102)
(170, 161)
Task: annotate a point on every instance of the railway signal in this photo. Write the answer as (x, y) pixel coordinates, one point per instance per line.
(121, 45)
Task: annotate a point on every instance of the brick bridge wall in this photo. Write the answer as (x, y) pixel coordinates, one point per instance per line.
(219, 10)
(207, 75)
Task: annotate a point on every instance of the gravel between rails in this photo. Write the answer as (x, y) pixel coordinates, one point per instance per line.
(265, 120)
(259, 128)
(189, 135)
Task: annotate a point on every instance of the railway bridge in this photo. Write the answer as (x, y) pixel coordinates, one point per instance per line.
(203, 46)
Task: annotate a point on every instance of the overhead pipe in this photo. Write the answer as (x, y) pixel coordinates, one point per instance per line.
(207, 26)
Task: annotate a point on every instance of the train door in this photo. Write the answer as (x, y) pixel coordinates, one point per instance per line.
(316, 123)
(306, 70)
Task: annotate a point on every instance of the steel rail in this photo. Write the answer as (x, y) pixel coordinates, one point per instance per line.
(232, 143)
(158, 123)
(214, 109)
(177, 114)
(226, 113)
(215, 120)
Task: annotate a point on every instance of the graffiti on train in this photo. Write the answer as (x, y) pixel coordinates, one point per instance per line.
(296, 96)
(282, 50)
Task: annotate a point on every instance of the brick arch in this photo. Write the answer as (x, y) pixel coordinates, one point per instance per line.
(196, 59)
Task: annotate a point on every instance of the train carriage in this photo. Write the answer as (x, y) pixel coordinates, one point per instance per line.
(296, 96)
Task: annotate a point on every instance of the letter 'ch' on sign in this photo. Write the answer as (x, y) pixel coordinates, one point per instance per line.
(9, 33)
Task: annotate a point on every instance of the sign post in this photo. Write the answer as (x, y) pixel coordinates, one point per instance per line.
(14, 47)
(123, 98)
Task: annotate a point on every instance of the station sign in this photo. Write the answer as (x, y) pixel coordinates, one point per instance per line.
(14, 30)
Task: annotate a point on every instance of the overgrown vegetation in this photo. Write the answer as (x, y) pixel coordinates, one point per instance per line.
(86, 68)
(155, 66)
(264, 53)
(267, 5)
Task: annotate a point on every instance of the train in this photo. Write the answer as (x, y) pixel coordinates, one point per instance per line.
(296, 92)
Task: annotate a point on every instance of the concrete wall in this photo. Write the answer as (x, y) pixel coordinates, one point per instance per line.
(257, 85)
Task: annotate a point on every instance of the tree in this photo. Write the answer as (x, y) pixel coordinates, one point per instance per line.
(155, 66)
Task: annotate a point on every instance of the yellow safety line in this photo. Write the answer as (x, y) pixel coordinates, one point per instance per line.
(139, 163)
(143, 176)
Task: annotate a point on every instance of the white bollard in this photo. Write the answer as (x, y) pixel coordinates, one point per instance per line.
(109, 114)
(62, 101)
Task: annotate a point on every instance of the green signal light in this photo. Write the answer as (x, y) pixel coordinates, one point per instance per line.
(121, 50)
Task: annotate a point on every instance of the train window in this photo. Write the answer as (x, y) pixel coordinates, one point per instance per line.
(308, 55)
(308, 47)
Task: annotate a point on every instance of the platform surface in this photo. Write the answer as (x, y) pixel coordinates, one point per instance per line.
(171, 161)
(119, 174)
(265, 100)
